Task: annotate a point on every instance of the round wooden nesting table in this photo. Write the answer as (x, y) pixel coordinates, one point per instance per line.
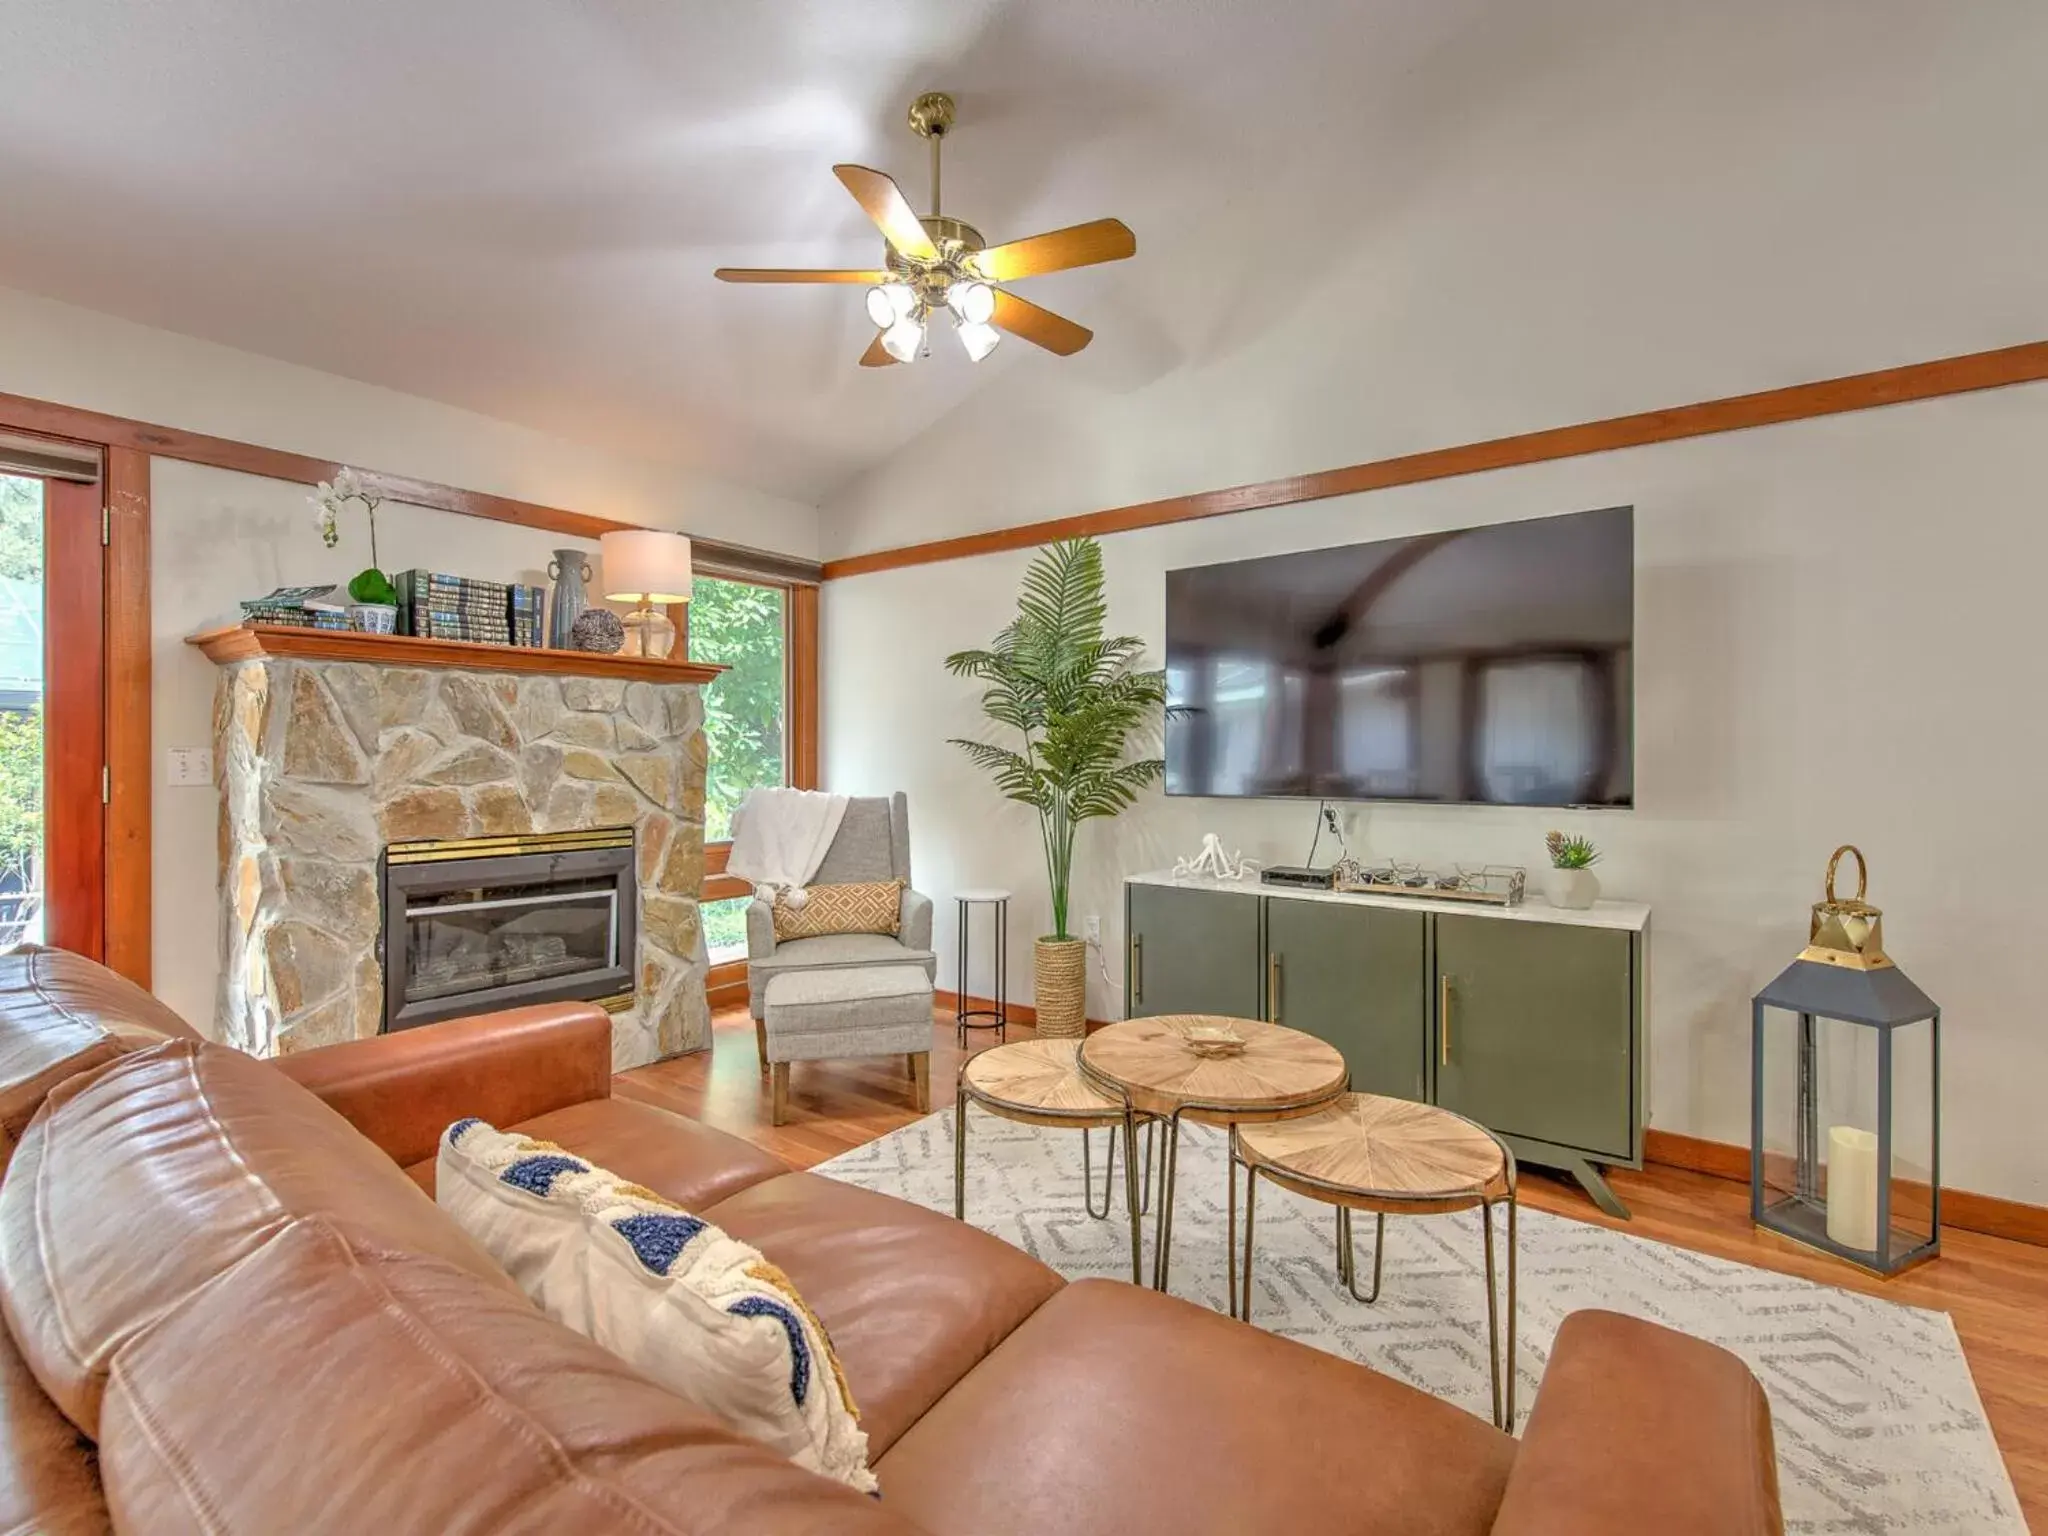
(1149, 1067)
(1392, 1157)
(1039, 1082)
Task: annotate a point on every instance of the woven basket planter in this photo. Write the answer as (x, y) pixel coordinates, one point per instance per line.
(1059, 987)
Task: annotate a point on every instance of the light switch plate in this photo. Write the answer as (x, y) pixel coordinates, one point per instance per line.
(189, 766)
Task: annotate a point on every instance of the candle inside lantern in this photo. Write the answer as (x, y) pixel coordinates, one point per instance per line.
(1852, 1187)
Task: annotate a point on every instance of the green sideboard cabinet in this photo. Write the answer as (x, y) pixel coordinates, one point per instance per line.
(1191, 951)
(1528, 1020)
(1352, 976)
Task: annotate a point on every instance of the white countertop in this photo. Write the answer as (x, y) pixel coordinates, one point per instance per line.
(1631, 916)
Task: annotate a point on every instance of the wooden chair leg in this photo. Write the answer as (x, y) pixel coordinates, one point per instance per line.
(921, 1080)
(761, 1043)
(778, 1092)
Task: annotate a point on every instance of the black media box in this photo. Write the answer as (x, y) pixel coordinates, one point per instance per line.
(1295, 875)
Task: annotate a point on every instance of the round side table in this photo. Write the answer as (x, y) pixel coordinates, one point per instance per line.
(998, 1017)
(1390, 1157)
(1037, 1082)
(1149, 1068)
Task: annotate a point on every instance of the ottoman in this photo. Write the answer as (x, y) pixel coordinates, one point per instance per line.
(863, 1010)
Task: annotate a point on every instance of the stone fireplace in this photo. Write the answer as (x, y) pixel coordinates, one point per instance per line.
(332, 768)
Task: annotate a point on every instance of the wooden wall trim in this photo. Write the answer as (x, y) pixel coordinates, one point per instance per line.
(2024, 364)
(28, 415)
(803, 687)
(128, 825)
(1989, 1214)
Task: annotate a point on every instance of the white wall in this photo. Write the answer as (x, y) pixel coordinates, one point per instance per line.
(53, 351)
(1838, 639)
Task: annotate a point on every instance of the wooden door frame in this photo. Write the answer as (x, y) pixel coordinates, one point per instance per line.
(74, 718)
(116, 510)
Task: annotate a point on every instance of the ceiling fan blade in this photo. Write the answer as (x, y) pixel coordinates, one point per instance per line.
(1081, 245)
(880, 198)
(1041, 327)
(797, 275)
(877, 355)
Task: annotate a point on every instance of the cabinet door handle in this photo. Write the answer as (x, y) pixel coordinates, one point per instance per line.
(1137, 968)
(1272, 989)
(1443, 1015)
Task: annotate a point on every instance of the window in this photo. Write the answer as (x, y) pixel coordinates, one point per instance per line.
(21, 710)
(725, 928)
(745, 626)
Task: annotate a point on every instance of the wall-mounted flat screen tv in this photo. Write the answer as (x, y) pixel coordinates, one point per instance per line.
(1480, 666)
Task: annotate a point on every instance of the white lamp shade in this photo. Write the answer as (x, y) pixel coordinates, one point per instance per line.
(645, 564)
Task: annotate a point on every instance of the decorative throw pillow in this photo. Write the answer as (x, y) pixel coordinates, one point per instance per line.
(688, 1305)
(868, 906)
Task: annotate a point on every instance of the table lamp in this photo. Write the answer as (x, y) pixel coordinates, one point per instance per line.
(652, 569)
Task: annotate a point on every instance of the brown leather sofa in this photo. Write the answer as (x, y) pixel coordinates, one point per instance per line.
(230, 1307)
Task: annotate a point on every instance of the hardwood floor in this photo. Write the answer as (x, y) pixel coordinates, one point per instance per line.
(1996, 1291)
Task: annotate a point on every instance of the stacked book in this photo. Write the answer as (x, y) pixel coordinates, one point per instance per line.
(442, 607)
(299, 608)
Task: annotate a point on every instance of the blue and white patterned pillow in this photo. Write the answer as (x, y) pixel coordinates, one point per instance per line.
(688, 1305)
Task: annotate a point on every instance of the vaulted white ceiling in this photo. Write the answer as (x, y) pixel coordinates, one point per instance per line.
(515, 205)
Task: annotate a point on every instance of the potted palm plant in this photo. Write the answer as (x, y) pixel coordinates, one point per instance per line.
(1071, 701)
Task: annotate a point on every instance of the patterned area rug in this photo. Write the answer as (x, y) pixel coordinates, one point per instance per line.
(1879, 1427)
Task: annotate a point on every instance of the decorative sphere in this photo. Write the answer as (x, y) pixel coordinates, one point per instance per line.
(597, 629)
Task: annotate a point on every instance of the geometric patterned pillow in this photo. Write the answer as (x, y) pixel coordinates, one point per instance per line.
(691, 1307)
(869, 906)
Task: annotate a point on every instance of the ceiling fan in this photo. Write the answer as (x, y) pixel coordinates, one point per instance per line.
(936, 265)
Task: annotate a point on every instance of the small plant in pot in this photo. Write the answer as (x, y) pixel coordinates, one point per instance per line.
(1073, 700)
(373, 601)
(1570, 881)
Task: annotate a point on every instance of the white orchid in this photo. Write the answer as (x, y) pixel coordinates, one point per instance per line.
(330, 496)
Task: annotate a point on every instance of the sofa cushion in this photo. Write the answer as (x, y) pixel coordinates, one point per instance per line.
(678, 1159)
(686, 1304)
(327, 1385)
(145, 1179)
(61, 1014)
(834, 950)
(1120, 1410)
(48, 1482)
(911, 1298)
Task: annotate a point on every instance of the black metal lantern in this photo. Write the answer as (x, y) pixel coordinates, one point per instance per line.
(1845, 1095)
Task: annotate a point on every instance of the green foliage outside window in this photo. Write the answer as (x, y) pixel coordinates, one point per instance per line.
(21, 529)
(725, 928)
(744, 626)
(21, 795)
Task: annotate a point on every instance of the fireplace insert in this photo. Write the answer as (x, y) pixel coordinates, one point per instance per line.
(476, 924)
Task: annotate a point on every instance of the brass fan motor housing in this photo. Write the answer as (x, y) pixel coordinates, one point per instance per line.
(956, 241)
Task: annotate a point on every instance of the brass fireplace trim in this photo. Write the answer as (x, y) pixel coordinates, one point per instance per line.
(442, 850)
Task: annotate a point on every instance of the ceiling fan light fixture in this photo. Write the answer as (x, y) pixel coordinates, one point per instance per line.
(903, 338)
(973, 302)
(890, 302)
(979, 338)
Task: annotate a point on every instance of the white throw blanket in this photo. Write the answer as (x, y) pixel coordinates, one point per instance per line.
(779, 838)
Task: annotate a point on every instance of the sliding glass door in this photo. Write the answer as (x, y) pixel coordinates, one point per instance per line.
(52, 714)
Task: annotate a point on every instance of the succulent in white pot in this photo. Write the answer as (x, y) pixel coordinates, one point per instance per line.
(1570, 882)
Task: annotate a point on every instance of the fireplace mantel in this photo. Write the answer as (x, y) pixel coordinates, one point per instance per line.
(257, 642)
(332, 748)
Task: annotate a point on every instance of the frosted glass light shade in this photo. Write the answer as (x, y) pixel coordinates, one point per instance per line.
(972, 302)
(645, 565)
(979, 339)
(902, 340)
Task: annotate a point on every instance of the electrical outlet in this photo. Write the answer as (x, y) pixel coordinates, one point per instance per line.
(1092, 928)
(185, 766)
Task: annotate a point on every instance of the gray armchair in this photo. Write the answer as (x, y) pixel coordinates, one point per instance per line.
(873, 843)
